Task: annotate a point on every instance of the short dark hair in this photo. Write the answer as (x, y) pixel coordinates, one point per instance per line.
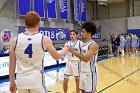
(74, 31)
(134, 33)
(89, 27)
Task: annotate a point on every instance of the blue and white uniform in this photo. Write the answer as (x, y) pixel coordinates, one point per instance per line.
(128, 39)
(72, 65)
(122, 41)
(134, 42)
(30, 71)
(88, 71)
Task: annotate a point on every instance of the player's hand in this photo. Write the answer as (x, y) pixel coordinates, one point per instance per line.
(70, 48)
(65, 50)
(13, 87)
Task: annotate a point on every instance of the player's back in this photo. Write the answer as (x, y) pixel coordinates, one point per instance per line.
(128, 38)
(122, 39)
(134, 39)
(30, 54)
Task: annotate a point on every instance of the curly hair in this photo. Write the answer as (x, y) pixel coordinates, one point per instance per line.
(89, 27)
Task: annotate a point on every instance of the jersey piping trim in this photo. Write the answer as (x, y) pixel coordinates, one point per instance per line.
(31, 34)
(16, 43)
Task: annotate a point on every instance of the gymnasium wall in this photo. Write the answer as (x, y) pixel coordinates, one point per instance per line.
(113, 10)
(114, 25)
(115, 20)
(134, 25)
(7, 23)
(134, 22)
(137, 8)
(8, 8)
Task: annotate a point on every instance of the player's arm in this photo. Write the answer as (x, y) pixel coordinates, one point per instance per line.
(12, 66)
(125, 41)
(137, 39)
(12, 61)
(49, 46)
(92, 50)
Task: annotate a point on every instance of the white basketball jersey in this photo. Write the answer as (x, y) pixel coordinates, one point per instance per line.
(30, 54)
(77, 47)
(134, 39)
(89, 66)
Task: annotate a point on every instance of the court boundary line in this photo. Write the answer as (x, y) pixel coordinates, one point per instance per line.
(118, 80)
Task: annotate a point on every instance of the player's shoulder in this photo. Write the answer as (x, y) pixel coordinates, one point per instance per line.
(80, 41)
(93, 43)
(19, 34)
(93, 46)
(46, 38)
(39, 34)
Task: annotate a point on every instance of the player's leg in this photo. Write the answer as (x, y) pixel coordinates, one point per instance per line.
(83, 91)
(133, 48)
(136, 48)
(129, 50)
(91, 81)
(118, 50)
(122, 49)
(38, 90)
(23, 90)
(67, 74)
(109, 48)
(126, 48)
(82, 83)
(77, 84)
(75, 71)
(65, 84)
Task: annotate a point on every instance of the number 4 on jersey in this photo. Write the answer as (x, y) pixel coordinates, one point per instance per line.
(29, 51)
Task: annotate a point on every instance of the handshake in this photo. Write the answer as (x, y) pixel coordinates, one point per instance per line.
(66, 49)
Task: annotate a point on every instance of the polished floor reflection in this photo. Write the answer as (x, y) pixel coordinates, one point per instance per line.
(115, 75)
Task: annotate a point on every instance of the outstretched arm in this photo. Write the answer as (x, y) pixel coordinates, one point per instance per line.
(12, 67)
(49, 46)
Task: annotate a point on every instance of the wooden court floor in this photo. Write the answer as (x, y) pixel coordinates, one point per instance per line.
(115, 75)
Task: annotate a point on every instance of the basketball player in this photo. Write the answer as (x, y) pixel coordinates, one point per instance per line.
(88, 56)
(134, 44)
(72, 63)
(127, 45)
(28, 49)
(109, 43)
(122, 44)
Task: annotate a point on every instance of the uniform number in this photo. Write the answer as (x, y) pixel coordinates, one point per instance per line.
(29, 51)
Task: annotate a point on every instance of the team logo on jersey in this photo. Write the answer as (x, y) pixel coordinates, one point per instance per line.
(6, 36)
(83, 51)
